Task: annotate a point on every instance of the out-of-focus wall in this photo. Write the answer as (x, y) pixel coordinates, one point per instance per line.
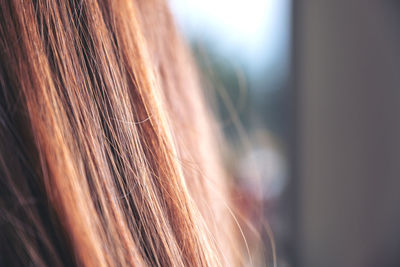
(347, 80)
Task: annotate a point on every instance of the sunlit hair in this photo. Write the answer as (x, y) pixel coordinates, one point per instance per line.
(107, 152)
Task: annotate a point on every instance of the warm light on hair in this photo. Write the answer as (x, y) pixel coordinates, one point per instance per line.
(107, 152)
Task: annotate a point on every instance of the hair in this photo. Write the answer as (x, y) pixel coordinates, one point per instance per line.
(107, 151)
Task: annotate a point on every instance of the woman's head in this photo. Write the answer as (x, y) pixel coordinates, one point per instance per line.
(107, 153)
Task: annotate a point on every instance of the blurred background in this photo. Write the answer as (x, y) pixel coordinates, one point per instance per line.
(307, 93)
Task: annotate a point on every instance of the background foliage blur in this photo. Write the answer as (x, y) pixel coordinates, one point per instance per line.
(243, 51)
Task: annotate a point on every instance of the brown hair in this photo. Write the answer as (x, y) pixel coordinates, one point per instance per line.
(107, 152)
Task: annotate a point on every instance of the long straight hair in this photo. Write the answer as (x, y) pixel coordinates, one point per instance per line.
(107, 151)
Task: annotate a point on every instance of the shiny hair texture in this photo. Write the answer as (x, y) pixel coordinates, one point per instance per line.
(107, 150)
